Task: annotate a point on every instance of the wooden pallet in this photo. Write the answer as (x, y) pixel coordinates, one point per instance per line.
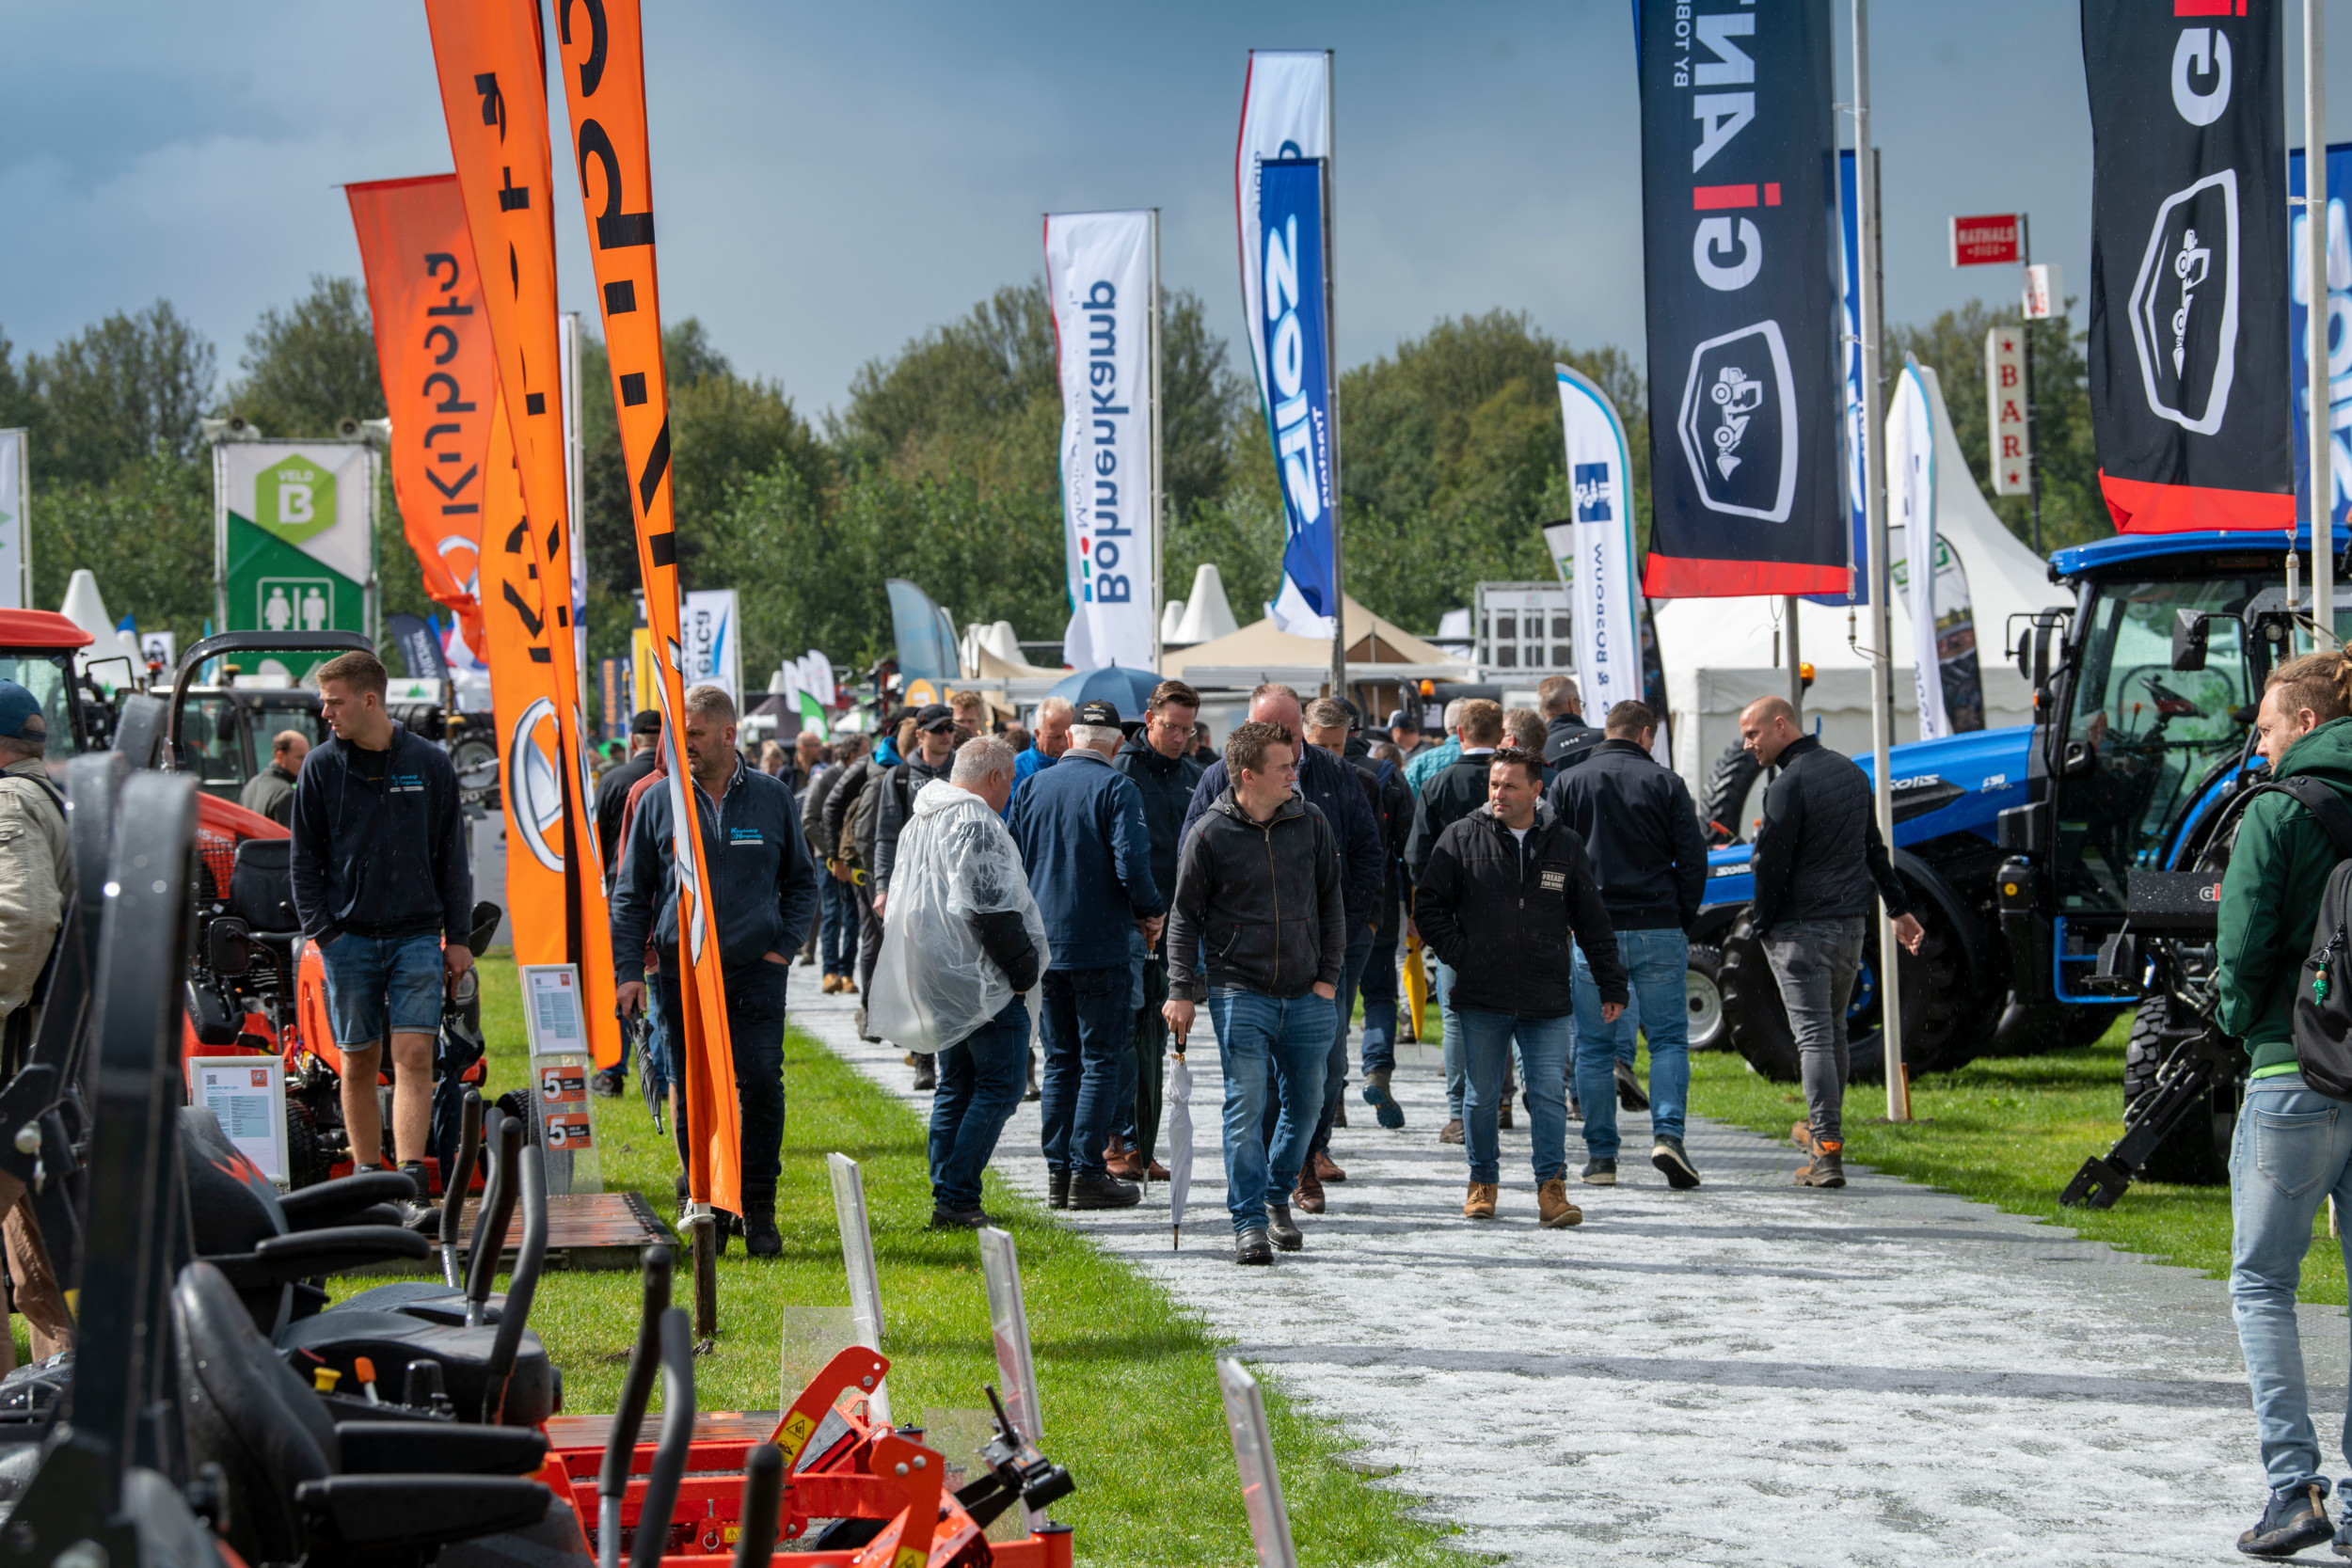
(586, 1231)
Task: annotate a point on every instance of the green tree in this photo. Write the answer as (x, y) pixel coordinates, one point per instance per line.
(146, 533)
(130, 388)
(311, 364)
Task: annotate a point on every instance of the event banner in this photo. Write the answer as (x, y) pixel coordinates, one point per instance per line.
(494, 98)
(1286, 115)
(2339, 295)
(1737, 156)
(1099, 278)
(439, 373)
(602, 61)
(295, 537)
(16, 524)
(1849, 426)
(1606, 599)
(711, 621)
(1292, 338)
(1911, 506)
(2190, 409)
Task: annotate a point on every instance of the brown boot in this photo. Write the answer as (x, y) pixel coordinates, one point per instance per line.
(1827, 1168)
(1309, 1194)
(1324, 1169)
(1123, 1162)
(1554, 1210)
(1480, 1204)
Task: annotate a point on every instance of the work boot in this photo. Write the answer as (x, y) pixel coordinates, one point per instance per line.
(832, 983)
(1502, 1114)
(1629, 1095)
(1123, 1161)
(865, 1034)
(760, 1227)
(1028, 1093)
(1384, 1106)
(606, 1085)
(1155, 1172)
(1451, 1133)
(684, 1200)
(1827, 1168)
(1575, 1111)
(1102, 1192)
(1251, 1246)
(926, 1070)
(945, 1218)
(1599, 1173)
(849, 986)
(1281, 1230)
(1339, 1116)
(1480, 1204)
(418, 1213)
(2293, 1519)
(1309, 1194)
(1667, 1154)
(1554, 1210)
(1058, 1189)
(1325, 1168)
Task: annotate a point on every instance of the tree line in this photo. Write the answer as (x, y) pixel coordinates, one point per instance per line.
(941, 466)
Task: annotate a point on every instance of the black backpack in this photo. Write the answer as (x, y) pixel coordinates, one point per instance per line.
(2323, 999)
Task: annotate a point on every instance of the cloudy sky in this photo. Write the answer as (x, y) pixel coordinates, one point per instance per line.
(831, 179)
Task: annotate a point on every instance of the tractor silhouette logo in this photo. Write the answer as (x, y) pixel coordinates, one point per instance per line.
(1738, 423)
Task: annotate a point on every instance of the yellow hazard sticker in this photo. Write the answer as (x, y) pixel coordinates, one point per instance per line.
(794, 1437)
(908, 1557)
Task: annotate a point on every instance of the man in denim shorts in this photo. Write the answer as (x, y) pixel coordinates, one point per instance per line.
(383, 885)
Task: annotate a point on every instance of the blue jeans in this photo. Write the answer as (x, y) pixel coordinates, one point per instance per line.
(836, 938)
(2293, 1150)
(1543, 1047)
(1441, 984)
(1380, 991)
(980, 1078)
(1085, 1024)
(380, 985)
(1655, 963)
(1335, 1065)
(1292, 1037)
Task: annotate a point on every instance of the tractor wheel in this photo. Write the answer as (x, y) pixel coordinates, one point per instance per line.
(2197, 1152)
(1703, 989)
(1753, 1016)
(308, 1160)
(1727, 785)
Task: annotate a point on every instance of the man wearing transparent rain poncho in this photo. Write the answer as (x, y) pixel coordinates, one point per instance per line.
(962, 941)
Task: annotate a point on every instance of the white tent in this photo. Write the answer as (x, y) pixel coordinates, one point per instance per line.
(1719, 652)
(1207, 616)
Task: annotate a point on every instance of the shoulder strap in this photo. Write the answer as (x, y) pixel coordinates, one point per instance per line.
(2325, 806)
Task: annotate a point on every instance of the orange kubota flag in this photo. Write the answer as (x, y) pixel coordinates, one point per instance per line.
(441, 379)
(493, 78)
(602, 55)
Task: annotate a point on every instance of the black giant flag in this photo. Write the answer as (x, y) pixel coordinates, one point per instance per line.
(2190, 396)
(1737, 197)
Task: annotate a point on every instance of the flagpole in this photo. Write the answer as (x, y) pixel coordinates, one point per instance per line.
(1330, 363)
(1159, 523)
(2315, 314)
(1880, 652)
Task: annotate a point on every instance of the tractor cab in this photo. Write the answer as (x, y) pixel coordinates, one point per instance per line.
(222, 730)
(37, 651)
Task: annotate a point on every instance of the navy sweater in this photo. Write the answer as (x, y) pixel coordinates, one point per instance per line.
(763, 885)
(382, 859)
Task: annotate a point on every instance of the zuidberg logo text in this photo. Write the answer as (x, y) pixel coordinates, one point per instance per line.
(1294, 444)
(1099, 533)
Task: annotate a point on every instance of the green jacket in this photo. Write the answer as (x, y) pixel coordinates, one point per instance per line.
(2270, 900)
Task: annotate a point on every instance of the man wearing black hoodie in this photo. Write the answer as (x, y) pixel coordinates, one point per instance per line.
(1158, 759)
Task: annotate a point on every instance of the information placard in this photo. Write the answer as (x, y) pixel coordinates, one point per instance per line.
(560, 1063)
(248, 1095)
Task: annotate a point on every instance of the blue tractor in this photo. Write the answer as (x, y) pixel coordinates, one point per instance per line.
(2066, 870)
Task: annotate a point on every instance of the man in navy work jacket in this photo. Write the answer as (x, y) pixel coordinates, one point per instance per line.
(763, 894)
(383, 884)
(1080, 828)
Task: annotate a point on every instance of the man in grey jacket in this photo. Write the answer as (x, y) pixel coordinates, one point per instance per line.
(1259, 931)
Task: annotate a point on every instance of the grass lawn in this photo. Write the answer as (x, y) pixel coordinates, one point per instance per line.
(2012, 1132)
(1126, 1375)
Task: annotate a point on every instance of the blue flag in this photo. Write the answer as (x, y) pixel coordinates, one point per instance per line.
(1293, 332)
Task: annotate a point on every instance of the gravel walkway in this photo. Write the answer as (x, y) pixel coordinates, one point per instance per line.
(1749, 1374)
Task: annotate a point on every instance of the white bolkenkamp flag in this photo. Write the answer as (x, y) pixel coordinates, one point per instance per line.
(1911, 502)
(1605, 584)
(1099, 278)
(15, 528)
(1285, 112)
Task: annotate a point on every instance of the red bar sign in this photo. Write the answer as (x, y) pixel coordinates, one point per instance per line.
(1983, 241)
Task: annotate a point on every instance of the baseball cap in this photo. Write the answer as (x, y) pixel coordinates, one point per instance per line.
(931, 718)
(1403, 718)
(1099, 713)
(648, 721)
(18, 707)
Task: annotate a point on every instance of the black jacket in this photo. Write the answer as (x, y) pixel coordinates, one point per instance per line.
(856, 779)
(763, 890)
(1501, 916)
(1447, 795)
(612, 802)
(1818, 854)
(1392, 809)
(1330, 786)
(386, 859)
(1258, 904)
(1167, 787)
(1641, 831)
(1567, 741)
(812, 811)
(895, 806)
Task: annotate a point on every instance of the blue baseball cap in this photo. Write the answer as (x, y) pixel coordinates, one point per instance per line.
(18, 707)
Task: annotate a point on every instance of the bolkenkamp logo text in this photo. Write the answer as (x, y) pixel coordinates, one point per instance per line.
(1100, 534)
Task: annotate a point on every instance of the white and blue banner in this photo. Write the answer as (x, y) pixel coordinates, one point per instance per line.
(1292, 336)
(1849, 430)
(712, 622)
(1911, 506)
(1286, 116)
(1098, 277)
(2339, 295)
(16, 527)
(1605, 585)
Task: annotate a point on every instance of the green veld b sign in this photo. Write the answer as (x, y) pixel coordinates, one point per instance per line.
(295, 540)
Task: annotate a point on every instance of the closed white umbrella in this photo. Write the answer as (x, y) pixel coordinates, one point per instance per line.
(1179, 1144)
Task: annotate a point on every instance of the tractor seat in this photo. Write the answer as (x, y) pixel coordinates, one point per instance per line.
(339, 1338)
(261, 889)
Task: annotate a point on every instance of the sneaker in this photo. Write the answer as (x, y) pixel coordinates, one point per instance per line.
(419, 1213)
(1629, 1095)
(1252, 1248)
(1480, 1203)
(1384, 1106)
(1339, 1116)
(926, 1070)
(862, 1033)
(1554, 1210)
(1058, 1189)
(1575, 1111)
(1599, 1173)
(1028, 1091)
(945, 1218)
(1325, 1168)
(759, 1236)
(1279, 1230)
(2292, 1520)
(1102, 1192)
(1309, 1195)
(684, 1201)
(607, 1084)
(1451, 1133)
(1667, 1155)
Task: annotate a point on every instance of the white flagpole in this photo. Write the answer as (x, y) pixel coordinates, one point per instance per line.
(1331, 360)
(2315, 314)
(1159, 523)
